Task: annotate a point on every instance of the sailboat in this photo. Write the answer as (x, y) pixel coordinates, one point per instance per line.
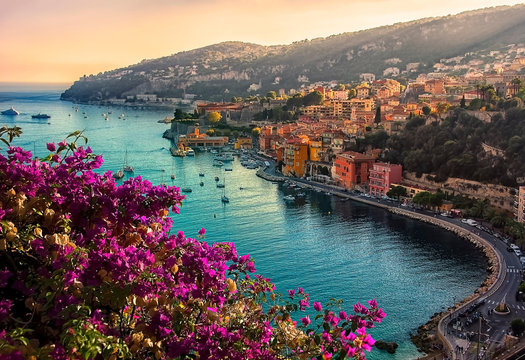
(127, 167)
(224, 198)
(186, 189)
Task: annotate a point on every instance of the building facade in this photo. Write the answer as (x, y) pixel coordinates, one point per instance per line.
(351, 168)
(382, 176)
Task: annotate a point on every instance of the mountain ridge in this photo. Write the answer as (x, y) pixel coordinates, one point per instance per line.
(247, 68)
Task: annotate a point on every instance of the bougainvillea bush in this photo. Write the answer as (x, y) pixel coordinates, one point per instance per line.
(92, 270)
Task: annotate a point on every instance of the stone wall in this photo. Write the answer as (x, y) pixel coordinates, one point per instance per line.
(498, 195)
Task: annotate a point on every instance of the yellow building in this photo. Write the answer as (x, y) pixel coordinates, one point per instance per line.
(295, 157)
(243, 143)
(315, 148)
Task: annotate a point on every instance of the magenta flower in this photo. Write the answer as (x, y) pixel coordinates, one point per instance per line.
(306, 320)
(51, 146)
(202, 232)
(291, 293)
(62, 143)
(317, 306)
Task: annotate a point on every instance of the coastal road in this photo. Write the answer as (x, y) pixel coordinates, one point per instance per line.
(462, 325)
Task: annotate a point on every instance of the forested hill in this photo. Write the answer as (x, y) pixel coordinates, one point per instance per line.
(454, 147)
(237, 69)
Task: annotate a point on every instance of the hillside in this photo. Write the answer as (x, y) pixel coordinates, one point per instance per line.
(237, 69)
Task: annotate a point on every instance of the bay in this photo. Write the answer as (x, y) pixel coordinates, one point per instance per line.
(333, 249)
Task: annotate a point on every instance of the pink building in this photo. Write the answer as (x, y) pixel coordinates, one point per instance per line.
(382, 176)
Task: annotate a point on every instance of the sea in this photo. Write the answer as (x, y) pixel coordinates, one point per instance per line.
(332, 248)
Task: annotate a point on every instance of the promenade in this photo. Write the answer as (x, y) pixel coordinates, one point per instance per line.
(504, 276)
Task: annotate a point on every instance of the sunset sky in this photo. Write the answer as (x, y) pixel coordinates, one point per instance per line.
(61, 40)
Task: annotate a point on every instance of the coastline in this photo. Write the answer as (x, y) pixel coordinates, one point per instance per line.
(434, 329)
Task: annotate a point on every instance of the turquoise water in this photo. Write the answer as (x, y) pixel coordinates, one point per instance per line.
(331, 248)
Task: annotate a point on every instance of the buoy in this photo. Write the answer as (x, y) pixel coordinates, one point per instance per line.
(329, 213)
(214, 215)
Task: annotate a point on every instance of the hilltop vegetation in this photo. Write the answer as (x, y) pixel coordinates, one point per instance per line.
(237, 69)
(453, 148)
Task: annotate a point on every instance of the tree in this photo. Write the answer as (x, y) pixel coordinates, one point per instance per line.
(377, 118)
(210, 132)
(179, 114)
(256, 131)
(442, 108)
(462, 102)
(517, 326)
(313, 98)
(426, 110)
(214, 117)
(271, 95)
(397, 192)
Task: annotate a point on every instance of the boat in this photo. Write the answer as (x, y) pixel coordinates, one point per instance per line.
(201, 174)
(288, 198)
(241, 188)
(227, 169)
(177, 152)
(127, 167)
(119, 174)
(186, 189)
(224, 198)
(219, 185)
(224, 157)
(216, 178)
(41, 116)
(213, 151)
(11, 111)
(217, 163)
(190, 152)
(201, 183)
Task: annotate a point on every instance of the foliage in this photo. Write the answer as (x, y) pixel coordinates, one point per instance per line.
(517, 326)
(313, 98)
(453, 148)
(256, 131)
(397, 192)
(182, 115)
(428, 200)
(214, 117)
(91, 270)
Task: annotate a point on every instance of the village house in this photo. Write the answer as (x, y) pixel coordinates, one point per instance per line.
(351, 168)
(381, 177)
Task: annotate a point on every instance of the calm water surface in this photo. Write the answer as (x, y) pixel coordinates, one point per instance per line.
(331, 248)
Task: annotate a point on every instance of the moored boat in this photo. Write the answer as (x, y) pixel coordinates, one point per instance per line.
(119, 174)
(41, 116)
(11, 111)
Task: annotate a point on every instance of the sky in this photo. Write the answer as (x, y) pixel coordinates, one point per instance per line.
(58, 41)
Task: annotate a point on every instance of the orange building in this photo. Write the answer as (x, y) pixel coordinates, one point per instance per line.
(351, 168)
(295, 157)
(243, 143)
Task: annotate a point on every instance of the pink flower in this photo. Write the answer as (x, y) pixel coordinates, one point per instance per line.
(62, 143)
(291, 293)
(317, 306)
(202, 232)
(51, 146)
(372, 303)
(306, 320)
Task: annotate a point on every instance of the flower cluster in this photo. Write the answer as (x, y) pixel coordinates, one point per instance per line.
(91, 270)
